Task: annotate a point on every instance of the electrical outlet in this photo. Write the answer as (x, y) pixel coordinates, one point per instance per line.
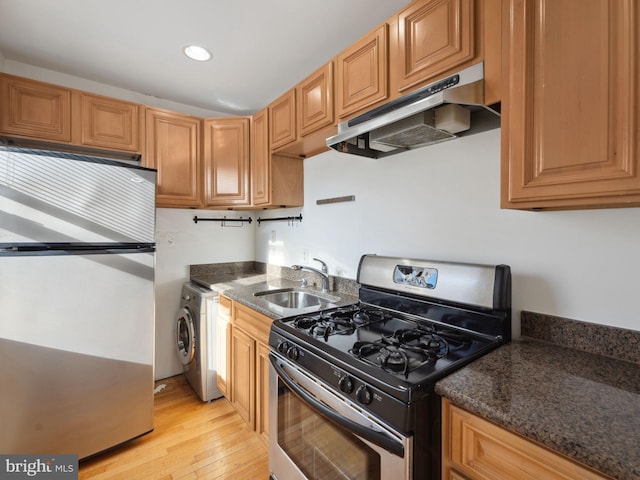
(273, 236)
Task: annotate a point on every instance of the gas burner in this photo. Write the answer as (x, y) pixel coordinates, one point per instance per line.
(305, 323)
(393, 358)
(335, 326)
(342, 321)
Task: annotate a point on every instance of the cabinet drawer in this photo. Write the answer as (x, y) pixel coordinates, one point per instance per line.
(482, 450)
(252, 322)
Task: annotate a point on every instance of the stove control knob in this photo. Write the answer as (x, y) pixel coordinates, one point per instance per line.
(363, 394)
(292, 353)
(283, 347)
(346, 384)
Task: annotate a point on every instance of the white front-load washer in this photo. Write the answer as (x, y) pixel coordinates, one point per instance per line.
(196, 339)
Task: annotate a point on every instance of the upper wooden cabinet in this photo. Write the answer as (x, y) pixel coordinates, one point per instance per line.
(361, 73)
(260, 159)
(173, 148)
(315, 105)
(110, 123)
(434, 36)
(276, 180)
(50, 113)
(282, 120)
(571, 107)
(35, 109)
(226, 161)
(310, 104)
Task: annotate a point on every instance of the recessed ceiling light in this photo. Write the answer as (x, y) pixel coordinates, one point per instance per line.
(194, 52)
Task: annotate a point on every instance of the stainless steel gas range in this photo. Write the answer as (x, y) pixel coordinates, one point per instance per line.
(352, 388)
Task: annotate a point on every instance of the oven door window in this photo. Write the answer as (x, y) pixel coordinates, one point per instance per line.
(320, 448)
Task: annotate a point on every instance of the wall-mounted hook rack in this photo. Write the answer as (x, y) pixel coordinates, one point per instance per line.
(288, 219)
(223, 220)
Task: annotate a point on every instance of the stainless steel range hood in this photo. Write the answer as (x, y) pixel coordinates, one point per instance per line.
(444, 110)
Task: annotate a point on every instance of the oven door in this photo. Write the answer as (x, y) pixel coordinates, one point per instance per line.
(317, 433)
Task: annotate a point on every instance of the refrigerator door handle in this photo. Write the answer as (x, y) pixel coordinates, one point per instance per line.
(17, 249)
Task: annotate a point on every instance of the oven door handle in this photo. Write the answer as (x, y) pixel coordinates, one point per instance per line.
(379, 438)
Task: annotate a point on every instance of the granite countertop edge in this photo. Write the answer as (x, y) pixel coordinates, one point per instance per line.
(241, 288)
(581, 405)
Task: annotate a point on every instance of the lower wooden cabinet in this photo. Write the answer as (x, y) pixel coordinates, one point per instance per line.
(223, 340)
(243, 374)
(248, 383)
(475, 449)
(262, 391)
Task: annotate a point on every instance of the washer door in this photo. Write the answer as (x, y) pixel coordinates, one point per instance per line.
(185, 337)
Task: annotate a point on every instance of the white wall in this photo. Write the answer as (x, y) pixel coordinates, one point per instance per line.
(442, 202)
(180, 243)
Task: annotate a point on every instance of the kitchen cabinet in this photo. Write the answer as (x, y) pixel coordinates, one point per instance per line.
(431, 39)
(571, 106)
(109, 123)
(223, 341)
(249, 380)
(173, 148)
(282, 120)
(262, 391)
(361, 73)
(475, 449)
(312, 110)
(276, 180)
(226, 162)
(315, 104)
(50, 113)
(35, 110)
(434, 36)
(243, 374)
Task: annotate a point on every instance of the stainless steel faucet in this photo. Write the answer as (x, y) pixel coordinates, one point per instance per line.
(324, 273)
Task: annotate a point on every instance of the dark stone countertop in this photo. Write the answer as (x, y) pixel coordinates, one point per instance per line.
(579, 404)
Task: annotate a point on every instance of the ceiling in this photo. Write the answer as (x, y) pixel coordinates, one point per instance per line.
(260, 48)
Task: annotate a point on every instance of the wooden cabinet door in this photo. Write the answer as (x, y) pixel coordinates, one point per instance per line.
(482, 450)
(110, 123)
(173, 148)
(282, 120)
(243, 374)
(361, 69)
(433, 36)
(226, 161)
(276, 180)
(223, 345)
(571, 106)
(262, 391)
(315, 106)
(260, 159)
(35, 109)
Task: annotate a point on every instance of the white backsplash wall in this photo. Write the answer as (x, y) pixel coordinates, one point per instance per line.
(180, 243)
(443, 202)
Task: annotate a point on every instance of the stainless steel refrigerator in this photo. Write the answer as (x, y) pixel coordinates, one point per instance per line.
(77, 258)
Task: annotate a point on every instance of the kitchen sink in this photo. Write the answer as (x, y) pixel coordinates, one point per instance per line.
(295, 299)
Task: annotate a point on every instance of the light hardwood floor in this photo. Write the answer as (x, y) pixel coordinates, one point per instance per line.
(191, 440)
